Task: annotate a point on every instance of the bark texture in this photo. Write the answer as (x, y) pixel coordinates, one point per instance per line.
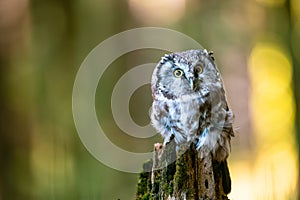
(174, 177)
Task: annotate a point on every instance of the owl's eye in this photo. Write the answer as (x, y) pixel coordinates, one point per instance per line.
(198, 69)
(178, 73)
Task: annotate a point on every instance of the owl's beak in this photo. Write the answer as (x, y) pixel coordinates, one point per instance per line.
(191, 83)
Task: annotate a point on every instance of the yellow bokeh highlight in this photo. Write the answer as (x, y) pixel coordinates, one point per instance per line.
(272, 168)
(276, 172)
(241, 175)
(271, 99)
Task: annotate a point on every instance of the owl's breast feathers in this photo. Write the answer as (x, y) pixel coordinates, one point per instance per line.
(179, 117)
(200, 118)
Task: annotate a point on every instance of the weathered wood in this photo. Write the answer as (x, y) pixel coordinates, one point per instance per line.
(178, 177)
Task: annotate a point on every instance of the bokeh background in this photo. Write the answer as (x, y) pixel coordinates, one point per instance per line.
(42, 44)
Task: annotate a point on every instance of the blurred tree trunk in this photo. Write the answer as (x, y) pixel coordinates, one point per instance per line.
(296, 76)
(15, 173)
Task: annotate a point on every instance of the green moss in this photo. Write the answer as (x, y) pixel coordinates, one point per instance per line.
(146, 196)
(144, 182)
(180, 177)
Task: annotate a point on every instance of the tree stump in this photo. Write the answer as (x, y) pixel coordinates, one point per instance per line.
(174, 176)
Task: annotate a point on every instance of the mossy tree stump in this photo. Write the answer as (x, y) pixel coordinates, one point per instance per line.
(173, 177)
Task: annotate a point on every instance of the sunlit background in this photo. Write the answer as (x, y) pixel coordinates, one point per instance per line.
(42, 44)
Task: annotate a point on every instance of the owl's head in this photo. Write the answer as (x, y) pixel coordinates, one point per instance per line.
(183, 73)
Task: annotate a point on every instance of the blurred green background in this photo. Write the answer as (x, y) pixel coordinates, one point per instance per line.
(42, 44)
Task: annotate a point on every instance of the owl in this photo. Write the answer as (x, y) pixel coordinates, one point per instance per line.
(190, 106)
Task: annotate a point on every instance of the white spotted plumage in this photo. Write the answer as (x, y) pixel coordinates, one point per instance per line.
(193, 107)
(189, 103)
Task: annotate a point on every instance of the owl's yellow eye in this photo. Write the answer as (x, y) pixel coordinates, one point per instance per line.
(178, 73)
(198, 69)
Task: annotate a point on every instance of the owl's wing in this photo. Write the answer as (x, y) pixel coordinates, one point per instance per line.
(221, 115)
(215, 123)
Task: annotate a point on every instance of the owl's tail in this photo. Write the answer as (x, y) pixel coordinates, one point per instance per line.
(226, 180)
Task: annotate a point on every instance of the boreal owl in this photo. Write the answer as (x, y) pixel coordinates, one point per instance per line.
(190, 106)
